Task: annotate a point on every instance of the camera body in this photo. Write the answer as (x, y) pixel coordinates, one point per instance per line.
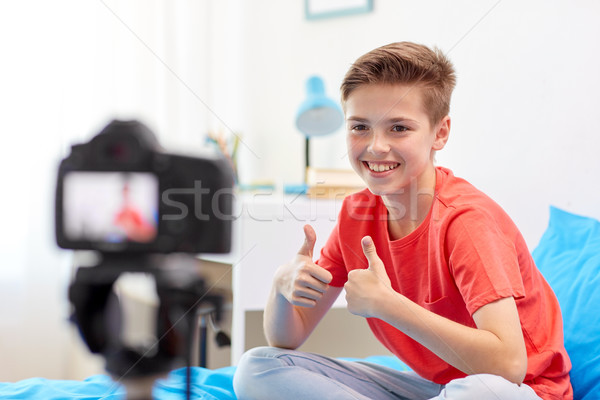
(121, 193)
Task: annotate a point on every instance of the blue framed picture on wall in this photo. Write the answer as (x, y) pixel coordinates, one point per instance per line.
(320, 9)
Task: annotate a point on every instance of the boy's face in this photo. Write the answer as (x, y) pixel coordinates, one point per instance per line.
(390, 139)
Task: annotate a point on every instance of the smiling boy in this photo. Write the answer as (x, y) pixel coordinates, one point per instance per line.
(439, 270)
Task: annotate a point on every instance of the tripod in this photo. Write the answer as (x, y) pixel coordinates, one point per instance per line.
(183, 297)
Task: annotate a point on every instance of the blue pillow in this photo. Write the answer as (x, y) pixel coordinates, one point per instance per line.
(568, 256)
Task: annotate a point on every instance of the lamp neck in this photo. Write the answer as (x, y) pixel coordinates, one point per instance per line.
(306, 156)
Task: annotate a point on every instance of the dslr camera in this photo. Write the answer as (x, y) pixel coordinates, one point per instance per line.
(124, 197)
(120, 193)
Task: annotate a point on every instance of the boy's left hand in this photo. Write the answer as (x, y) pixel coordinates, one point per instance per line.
(366, 288)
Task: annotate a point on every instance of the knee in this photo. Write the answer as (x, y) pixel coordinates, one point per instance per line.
(250, 363)
(250, 371)
(486, 386)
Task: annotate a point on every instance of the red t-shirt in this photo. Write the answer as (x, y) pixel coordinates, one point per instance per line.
(467, 253)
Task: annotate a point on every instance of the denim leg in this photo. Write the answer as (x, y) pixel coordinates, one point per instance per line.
(271, 373)
(486, 387)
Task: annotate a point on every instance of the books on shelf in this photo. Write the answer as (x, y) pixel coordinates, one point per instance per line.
(332, 183)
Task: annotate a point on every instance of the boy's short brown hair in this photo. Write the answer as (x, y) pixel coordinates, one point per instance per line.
(406, 63)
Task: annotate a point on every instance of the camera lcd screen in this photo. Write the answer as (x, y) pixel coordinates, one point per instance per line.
(110, 207)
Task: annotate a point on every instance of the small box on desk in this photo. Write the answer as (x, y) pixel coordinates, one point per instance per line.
(332, 183)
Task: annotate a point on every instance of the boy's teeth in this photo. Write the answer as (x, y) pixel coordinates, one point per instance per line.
(381, 167)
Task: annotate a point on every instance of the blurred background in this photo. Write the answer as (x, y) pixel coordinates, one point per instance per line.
(524, 113)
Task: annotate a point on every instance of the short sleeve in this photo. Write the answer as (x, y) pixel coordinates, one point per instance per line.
(483, 257)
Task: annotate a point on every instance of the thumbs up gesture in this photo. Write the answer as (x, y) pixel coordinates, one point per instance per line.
(301, 281)
(367, 287)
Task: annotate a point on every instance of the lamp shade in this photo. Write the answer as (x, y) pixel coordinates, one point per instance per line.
(318, 115)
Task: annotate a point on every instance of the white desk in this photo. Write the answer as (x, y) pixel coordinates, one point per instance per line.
(268, 231)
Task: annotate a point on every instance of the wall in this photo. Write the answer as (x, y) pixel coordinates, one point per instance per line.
(523, 113)
(69, 67)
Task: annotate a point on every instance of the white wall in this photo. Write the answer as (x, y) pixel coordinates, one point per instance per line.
(524, 111)
(68, 67)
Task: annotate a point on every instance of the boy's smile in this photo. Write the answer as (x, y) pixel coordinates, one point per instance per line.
(390, 140)
(381, 166)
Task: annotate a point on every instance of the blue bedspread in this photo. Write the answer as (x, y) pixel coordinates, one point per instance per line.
(206, 385)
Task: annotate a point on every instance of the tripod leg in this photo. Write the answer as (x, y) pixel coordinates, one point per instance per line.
(203, 339)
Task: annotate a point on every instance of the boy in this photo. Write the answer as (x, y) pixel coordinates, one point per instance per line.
(441, 273)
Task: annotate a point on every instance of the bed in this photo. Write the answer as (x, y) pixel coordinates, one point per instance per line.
(206, 385)
(568, 256)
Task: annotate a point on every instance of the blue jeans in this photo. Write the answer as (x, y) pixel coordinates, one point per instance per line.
(269, 373)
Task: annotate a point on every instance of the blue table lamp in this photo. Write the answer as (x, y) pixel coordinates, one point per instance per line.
(318, 115)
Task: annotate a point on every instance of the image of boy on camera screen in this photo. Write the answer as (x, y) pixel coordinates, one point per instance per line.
(111, 207)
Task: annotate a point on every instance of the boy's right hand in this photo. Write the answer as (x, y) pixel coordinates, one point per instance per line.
(301, 281)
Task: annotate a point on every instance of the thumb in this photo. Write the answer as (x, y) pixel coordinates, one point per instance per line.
(310, 237)
(370, 252)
